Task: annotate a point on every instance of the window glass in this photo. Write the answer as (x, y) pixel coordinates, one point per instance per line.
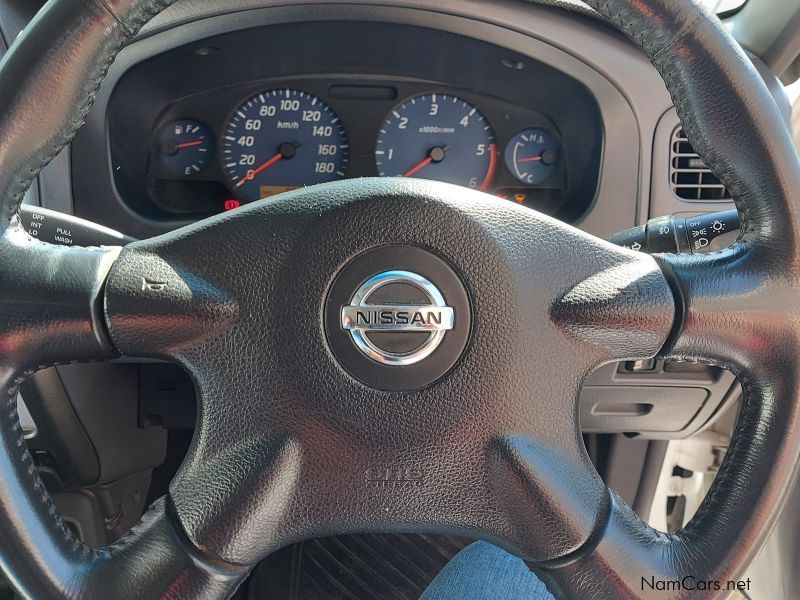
(793, 91)
(724, 7)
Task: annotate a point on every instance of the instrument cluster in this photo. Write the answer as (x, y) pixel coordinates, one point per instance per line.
(243, 115)
(281, 137)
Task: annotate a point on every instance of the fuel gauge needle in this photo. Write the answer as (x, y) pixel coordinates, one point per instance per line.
(530, 158)
(189, 144)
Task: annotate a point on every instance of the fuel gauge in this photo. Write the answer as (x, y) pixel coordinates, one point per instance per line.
(186, 147)
(532, 155)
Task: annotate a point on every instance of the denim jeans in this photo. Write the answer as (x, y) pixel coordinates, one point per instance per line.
(482, 571)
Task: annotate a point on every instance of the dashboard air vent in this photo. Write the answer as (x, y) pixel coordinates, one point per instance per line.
(689, 176)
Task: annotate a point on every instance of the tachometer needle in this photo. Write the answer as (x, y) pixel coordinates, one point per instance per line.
(254, 172)
(436, 154)
(418, 166)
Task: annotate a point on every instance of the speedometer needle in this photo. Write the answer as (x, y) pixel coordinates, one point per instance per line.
(285, 151)
(254, 172)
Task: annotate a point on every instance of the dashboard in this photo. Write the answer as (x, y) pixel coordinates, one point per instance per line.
(235, 118)
(213, 107)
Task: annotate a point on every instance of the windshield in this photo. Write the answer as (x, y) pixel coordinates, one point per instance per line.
(724, 7)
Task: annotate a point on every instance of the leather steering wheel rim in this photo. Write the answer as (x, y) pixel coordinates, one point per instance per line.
(734, 308)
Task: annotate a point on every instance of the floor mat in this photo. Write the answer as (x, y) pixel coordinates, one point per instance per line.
(357, 567)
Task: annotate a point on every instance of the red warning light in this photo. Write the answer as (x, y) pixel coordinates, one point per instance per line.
(232, 204)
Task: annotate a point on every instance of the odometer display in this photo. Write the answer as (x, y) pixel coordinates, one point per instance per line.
(280, 140)
(437, 136)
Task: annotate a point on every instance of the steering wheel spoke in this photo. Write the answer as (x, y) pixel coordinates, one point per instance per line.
(625, 309)
(241, 504)
(157, 304)
(624, 555)
(51, 302)
(735, 307)
(51, 312)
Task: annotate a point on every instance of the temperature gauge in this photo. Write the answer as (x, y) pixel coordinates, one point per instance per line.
(186, 147)
(532, 155)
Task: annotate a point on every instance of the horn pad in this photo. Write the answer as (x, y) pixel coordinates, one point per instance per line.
(397, 318)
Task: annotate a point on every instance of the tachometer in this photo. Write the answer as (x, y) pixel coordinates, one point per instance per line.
(280, 140)
(437, 136)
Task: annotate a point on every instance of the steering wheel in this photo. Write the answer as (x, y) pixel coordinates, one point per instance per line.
(302, 433)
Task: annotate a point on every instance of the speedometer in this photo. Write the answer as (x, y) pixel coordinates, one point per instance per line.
(281, 140)
(437, 136)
